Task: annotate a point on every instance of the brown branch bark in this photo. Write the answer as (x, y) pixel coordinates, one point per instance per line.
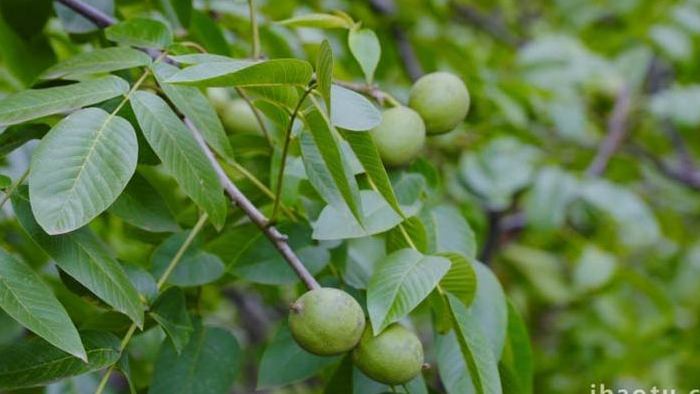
(410, 61)
(371, 91)
(278, 239)
(661, 76)
(617, 131)
(491, 24)
(685, 175)
(95, 15)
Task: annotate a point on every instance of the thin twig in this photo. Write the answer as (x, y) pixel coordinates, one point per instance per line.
(687, 176)
(124, 343)
(161, 281)
(493, 237)
(371, 91)
(278, 239)
(285, 150)
(407, 54)
(95, 15)
(178, 256)
(410, 60)
(492, 24)
(255, 181)
(617, 131)
(660, 77)
(256, 112)
(11, 189)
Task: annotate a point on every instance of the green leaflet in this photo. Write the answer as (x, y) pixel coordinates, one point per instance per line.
(140, 32)
(32, 362)
(197, 108)
(208, 364)
(101, 60)
(81, 254)
(365, 47)
(400, 282)
(36, 103)
(481, 363)
(79, 169)
(180, 154)
(245, 73)
(324, 73)
(28, 300)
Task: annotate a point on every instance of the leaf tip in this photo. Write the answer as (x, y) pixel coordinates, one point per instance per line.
(81, 354)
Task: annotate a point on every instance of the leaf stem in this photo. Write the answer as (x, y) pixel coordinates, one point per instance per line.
(14, 186)
(134, 87)
(183, 248)
(105, 377)
(125, 341)
(163, 278)
(256, 112)
(254, 29)
(407, 237)
(285, 150)
(238, 167)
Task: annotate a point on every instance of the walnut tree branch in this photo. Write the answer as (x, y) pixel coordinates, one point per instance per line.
(410, 62)
(617, 131)
(661, 76)
(278, 239)
(687, 176)
(371, 91)
(491, 24)
(95, 15)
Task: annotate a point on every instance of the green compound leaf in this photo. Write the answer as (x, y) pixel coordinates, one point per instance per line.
(79, 169)
(28, 300)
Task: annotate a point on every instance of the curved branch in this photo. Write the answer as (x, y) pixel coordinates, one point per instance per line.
(403, 43)
(372, 91)
(95, 15)
(278, 239)
(491, 24)
(617, 131)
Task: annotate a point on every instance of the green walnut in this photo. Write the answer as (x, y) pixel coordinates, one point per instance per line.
(219, 97)
(400, 136)
(393, 357)
(238, 117)
(441, 99)
(326, 321)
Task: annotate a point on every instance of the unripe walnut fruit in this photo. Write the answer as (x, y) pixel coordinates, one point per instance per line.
(441, 99)
(326, 321)
(219, 97)
(400, 136)
(238, 117)
(393, 357)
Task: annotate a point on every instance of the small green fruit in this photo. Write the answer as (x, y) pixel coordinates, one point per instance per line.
(239, 117)
(400, 136)
(393, 357)
(441, 99)
(219, 97)
(326, 321)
